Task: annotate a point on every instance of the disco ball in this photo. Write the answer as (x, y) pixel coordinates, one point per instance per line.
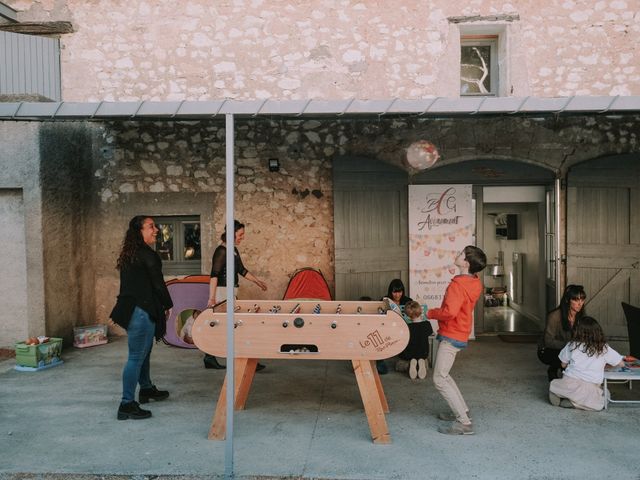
(422, 154)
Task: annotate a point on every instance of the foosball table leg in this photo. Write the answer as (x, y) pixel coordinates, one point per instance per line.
(245, 368)
(383, 398)
(370, 392)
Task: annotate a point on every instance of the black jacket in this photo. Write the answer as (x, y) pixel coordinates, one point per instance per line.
(142, 285)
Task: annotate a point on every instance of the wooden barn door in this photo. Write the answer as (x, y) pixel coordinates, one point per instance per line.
(603, 237)
(370, 224)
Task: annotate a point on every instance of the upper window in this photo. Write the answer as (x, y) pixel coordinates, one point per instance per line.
(178, 244)
(479, 65)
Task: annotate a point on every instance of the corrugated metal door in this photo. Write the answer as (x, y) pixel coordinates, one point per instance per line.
(603, 237)
(29, 65)
(370, 223)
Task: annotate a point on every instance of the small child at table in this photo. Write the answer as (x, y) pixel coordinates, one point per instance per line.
(584, 359)
(417, 350)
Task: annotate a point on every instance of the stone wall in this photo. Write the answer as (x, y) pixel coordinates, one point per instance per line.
(66, 151)
(178, 168)
(96, 175)
(253, 49)
(21, 268)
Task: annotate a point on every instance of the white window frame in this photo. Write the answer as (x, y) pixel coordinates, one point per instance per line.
(483, 41)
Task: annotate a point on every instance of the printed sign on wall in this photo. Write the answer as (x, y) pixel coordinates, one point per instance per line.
(441, 224)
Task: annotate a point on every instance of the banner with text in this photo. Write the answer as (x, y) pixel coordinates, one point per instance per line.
(441, 224)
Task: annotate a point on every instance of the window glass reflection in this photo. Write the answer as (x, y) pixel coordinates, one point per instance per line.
(165, 241)
(191, 241)
(475, 70)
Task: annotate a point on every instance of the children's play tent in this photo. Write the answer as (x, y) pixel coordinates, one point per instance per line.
(189, 294)
(307, 283)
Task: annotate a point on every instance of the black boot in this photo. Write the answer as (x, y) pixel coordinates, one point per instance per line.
(152, 393)
(212, 362)
(132, 410)
(381, 366)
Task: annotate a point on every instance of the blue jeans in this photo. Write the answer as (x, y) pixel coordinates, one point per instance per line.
(140, 339)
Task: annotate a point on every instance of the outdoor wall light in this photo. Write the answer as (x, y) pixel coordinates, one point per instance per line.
(274, 165)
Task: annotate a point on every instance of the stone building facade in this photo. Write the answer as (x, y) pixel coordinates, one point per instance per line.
(251, 50)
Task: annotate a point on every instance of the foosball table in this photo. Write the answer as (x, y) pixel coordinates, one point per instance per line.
(361, 332)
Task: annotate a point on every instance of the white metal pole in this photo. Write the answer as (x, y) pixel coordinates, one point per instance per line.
(228, 452)
(557, 240)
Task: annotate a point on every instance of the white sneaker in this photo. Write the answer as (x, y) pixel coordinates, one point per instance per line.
(413, 371)
(422, 369)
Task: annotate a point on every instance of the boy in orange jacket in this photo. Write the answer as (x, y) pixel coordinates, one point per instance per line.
(455, 320)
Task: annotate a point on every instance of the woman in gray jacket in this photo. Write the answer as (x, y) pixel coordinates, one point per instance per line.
(559, 328)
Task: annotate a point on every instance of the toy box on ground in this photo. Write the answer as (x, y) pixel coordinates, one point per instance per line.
(90, 336)
(39, 355)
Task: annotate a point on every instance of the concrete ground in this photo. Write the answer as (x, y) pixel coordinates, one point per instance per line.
(304, 419)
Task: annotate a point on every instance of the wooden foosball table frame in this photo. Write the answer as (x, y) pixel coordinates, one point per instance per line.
(361, 332)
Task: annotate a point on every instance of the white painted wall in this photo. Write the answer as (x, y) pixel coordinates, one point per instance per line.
(13, 269)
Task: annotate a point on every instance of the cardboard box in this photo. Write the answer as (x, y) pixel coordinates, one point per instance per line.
(90, 336)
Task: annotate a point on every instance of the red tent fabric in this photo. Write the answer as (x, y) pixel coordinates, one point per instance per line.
(307, 283)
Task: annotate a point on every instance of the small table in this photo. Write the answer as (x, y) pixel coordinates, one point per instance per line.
(627, 375)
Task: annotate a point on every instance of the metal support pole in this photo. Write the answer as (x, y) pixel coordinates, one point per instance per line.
(228, 451)
(558, 258)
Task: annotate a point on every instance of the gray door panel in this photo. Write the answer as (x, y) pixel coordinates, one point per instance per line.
(370, 224)
(603, 237)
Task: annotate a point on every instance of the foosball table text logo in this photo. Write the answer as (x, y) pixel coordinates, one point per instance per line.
(375, 340)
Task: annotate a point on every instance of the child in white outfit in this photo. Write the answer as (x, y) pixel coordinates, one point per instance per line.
(185, 332)
(584, 359)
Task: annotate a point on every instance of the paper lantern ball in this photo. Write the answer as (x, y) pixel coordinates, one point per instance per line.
(422, 154)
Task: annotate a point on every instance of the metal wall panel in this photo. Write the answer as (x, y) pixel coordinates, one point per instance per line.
(30, 65)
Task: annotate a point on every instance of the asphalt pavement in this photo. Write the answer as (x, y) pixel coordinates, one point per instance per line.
(305, 419)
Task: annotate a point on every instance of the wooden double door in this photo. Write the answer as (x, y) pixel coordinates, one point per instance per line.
(371, 230)
(603, 237)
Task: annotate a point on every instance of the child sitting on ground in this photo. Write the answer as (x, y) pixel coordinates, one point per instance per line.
(417, 350)
(583, 359)
(185, 332)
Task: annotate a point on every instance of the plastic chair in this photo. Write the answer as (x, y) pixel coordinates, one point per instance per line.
(632, 315)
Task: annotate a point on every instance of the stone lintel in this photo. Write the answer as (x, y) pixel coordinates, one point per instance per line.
(506, 17)
(38, 28)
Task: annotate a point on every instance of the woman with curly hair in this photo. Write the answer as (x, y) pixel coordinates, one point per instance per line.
(141, 309)
(584, 359)
(559, 328)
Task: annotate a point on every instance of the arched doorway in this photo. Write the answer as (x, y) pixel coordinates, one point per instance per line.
(370, 222)
(520, 280)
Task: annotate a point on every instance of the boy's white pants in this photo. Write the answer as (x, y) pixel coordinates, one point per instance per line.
(446, 385)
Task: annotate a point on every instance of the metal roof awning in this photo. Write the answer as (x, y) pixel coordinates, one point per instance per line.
(431, 107)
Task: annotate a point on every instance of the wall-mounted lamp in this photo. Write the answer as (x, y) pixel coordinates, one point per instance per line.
(274, 165)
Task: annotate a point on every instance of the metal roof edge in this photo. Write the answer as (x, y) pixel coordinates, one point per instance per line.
(434, 106)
